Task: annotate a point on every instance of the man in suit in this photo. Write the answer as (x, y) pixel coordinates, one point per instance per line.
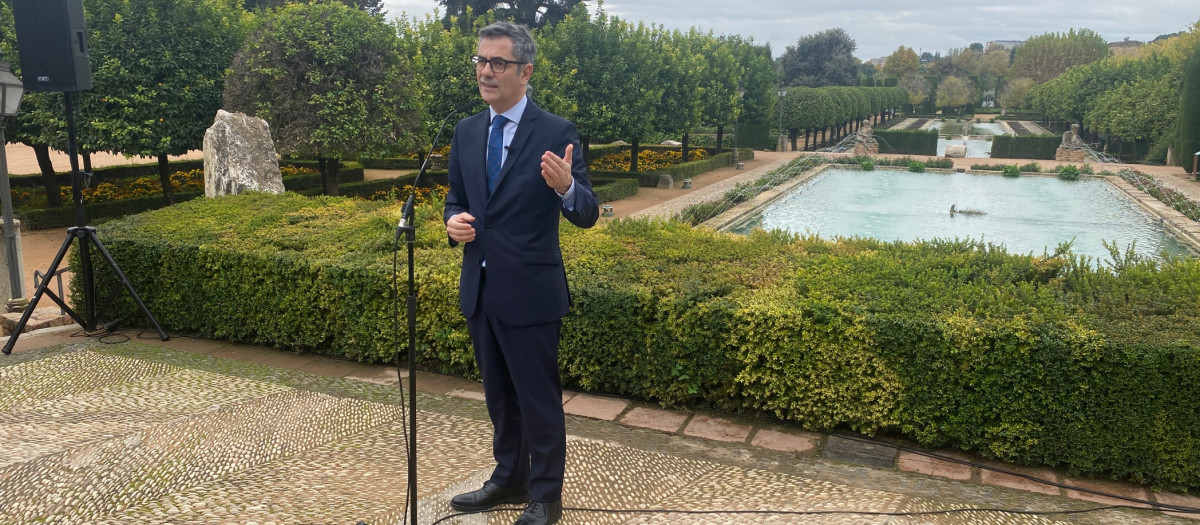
(514, 169)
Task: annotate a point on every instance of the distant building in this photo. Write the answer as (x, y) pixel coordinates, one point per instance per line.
(878, 63)
(1006, 44)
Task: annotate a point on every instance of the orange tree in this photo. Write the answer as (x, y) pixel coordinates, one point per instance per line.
(158, 74)
(331, 81)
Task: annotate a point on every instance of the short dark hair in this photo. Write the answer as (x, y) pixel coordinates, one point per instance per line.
(524, 49)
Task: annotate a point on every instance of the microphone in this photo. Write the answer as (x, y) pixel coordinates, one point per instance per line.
(406, 211)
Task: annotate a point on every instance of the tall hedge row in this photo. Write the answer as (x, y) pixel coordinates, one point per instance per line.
(1025, 146)
(1034, 360)
(907, 141)
(1187, 134)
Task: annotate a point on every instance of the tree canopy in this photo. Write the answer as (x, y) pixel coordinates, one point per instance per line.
(531, 13)
(1014, 93)
(374, 7)
(917, 87)
(902, 62)
(332, 83)
(158, 75)
(1046, 56)
(820, 59)
(953, 92)
(622, 94)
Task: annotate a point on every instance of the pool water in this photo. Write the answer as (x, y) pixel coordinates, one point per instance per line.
(976, 149)
(1025, 214)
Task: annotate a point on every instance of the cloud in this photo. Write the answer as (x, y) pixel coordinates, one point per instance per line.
(880, 26)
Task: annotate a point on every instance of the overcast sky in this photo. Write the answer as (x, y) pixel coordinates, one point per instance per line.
(880, 26)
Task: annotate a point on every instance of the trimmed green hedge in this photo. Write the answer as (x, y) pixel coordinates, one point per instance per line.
(677, 172)
(696, 167)
(644, 179)
(1041, 147)
(907, 141)
(107, 174)
(63, 217)
(394, 163)
(348, 171)
(613, 189)
(41, 219)
(1041, 360)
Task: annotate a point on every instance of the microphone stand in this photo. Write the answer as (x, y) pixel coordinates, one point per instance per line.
(408, 227)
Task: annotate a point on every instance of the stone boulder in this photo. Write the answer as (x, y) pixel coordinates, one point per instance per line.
(239, 156)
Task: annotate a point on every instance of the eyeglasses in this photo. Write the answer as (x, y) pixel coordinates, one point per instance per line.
(498, 64)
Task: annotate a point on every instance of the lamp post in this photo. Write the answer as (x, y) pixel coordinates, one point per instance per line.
(782, 136)
(11, 91)
(736, 120)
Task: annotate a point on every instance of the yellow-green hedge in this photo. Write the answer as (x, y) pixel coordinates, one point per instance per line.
(1034, 360)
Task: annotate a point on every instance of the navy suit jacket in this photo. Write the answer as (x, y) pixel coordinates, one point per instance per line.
(516, 227)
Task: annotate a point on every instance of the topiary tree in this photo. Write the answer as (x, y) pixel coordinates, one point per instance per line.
(438, 56)
(610, 69)
(332, 83)
(1187, 132)
(159, 68)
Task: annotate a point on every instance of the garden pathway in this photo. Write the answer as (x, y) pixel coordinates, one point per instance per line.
(197, 431)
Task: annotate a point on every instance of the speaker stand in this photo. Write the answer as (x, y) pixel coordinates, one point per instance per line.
(87, 239)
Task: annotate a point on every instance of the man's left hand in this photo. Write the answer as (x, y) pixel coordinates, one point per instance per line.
(557, 170)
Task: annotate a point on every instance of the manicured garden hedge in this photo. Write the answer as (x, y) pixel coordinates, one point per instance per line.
(907, 141)
(394, 163)
(107, 174)
(95, 212)
(1042, 147)
(613, 189)
(1034, 360)
(677, 172)
(40, 219)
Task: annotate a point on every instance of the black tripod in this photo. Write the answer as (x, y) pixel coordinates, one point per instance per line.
(87, 238)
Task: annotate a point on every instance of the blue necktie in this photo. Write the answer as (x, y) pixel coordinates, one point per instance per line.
(495, 153)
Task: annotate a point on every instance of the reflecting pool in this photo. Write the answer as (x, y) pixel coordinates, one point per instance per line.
(1025, 214)
(976, 149)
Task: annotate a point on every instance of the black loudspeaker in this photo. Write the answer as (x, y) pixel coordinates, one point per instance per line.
(52, 43)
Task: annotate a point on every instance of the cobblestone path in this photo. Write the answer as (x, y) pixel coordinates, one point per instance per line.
(131, 433)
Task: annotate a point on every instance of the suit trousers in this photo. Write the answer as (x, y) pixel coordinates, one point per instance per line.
(519, 365)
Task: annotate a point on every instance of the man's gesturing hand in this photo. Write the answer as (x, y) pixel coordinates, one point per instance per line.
(557, 170)
(459, 227)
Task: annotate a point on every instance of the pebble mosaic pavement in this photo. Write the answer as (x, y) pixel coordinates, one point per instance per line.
(129, 434)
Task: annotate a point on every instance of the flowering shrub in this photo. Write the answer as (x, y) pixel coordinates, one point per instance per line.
(648, 160)
(424, 195)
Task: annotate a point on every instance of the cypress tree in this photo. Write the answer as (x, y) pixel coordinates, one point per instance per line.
(1187, 130)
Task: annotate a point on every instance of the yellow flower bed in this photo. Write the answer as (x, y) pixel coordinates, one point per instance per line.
(436, 193)
(648, 160)
(180, 181)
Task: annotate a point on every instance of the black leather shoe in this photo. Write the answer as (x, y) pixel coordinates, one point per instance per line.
(538, 513)
(487, 497)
